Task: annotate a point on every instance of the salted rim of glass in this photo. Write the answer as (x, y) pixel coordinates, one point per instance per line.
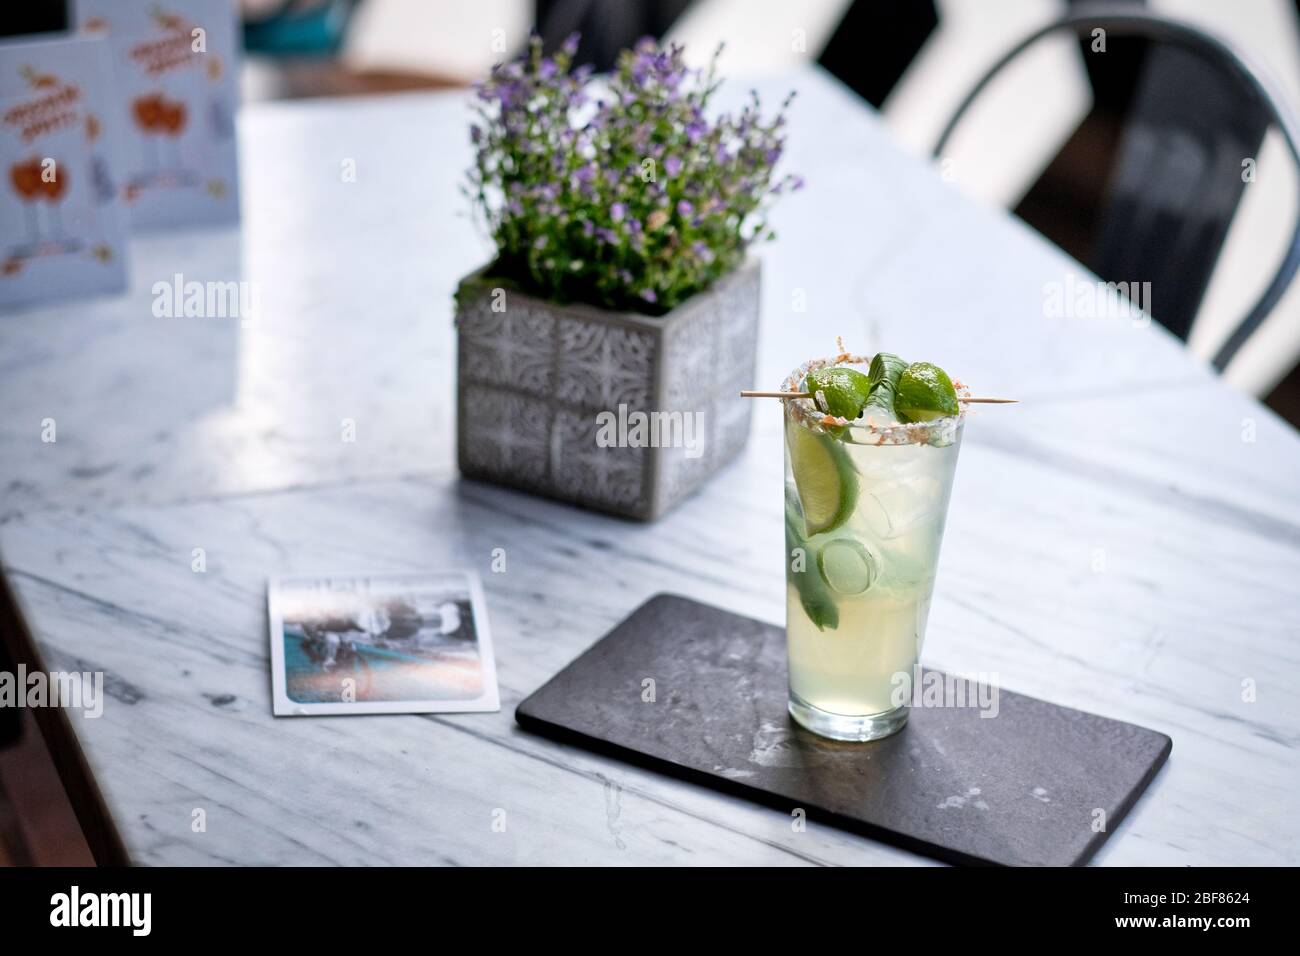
(941, 431)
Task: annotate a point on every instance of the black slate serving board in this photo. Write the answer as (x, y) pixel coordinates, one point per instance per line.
(1021, 788)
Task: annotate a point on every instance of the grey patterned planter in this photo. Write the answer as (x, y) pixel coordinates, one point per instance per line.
(534, 378)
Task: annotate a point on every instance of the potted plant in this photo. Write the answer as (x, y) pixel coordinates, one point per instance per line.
(601, 353)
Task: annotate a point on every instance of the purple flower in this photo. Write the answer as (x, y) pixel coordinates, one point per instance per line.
(562, 182)
(582, 178)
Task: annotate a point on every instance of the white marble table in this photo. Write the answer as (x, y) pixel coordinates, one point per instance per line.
(1127, 541)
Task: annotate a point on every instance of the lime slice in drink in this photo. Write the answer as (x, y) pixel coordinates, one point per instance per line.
(846, 565)
(925, 392)
(814, 597)
(838, 391)
(824, 477)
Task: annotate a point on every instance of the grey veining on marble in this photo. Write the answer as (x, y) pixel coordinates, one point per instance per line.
(1125, 542)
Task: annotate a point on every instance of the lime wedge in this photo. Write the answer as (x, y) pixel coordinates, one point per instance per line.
(843, 390)
(814, 597)
(824, 477)
(925, 392)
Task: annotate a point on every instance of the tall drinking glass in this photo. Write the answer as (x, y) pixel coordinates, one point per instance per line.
(865, 507)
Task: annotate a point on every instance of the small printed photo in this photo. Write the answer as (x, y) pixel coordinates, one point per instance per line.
(381, 644)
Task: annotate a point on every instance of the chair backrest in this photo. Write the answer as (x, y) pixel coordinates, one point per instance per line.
(1177, 180)
(1200, 109)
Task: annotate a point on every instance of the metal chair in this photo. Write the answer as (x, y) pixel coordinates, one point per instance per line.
(1186, 133)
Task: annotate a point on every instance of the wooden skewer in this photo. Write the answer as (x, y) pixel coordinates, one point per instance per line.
(747, 393)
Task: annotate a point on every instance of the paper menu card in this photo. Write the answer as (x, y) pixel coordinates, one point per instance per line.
(62, 227)
(175, 95)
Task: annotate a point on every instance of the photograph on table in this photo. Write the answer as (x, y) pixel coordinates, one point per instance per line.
(380, 644)
(62, 232)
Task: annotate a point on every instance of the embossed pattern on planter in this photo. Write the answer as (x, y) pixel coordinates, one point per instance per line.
(583, 471)
(709, 359)
(510, 434)
(534, 376)
(513, 349)
(602, 366)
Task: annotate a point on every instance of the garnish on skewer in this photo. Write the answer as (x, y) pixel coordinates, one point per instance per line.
(756, 393)
(892, 390)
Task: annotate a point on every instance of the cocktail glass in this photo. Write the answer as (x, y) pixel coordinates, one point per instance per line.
(865, 506)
